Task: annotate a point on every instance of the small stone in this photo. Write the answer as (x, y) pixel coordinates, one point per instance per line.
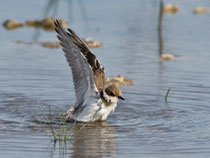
(118, 81)
(167, 56)
(171, 8)
(48, 23)
(200, 10)
(51, 44)
(22, 42)
(92, 44)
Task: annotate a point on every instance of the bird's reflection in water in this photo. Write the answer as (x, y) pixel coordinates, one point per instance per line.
(95, 140)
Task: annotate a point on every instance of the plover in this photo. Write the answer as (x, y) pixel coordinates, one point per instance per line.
(93, 101)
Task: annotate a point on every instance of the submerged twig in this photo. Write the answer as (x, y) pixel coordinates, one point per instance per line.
(160, 19)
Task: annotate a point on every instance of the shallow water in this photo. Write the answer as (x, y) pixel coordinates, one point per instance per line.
(142, 125)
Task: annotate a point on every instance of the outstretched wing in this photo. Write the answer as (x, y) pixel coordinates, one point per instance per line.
(97, 68)
(84, 84)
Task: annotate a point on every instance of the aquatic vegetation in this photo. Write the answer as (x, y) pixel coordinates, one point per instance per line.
(58, 129)
(166, 96)
(61, 134)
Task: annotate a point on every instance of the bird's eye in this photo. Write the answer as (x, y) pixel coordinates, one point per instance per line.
(111, 94)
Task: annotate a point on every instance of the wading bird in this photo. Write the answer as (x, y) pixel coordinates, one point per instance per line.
(93, 101)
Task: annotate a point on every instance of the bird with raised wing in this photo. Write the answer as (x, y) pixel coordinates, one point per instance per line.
(94, 102)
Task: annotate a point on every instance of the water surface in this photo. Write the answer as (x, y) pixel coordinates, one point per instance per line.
(142, 125)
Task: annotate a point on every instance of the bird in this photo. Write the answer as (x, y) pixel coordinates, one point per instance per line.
(94, 101)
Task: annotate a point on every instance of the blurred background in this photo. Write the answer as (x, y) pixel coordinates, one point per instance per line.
(161, 45)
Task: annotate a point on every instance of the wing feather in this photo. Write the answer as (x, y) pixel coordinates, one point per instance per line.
(96, 66)
(83, 78)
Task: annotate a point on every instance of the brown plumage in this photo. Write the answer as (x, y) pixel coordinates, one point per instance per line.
(113, 91)
(97, 68)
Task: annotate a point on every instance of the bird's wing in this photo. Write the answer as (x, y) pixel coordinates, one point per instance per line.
(96, 66)
(81, 71)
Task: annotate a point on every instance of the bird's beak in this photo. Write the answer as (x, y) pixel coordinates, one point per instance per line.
(121, 98)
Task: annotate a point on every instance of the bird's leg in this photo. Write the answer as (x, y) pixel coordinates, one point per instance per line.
(69, 113)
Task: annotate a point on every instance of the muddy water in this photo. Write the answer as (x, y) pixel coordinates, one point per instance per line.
(142, 125)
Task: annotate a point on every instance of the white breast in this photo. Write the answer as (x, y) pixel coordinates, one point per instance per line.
(104, 111)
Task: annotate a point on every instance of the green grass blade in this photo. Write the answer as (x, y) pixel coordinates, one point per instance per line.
(166, 96)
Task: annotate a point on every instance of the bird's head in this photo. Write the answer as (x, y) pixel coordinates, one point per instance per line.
(113, 91)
